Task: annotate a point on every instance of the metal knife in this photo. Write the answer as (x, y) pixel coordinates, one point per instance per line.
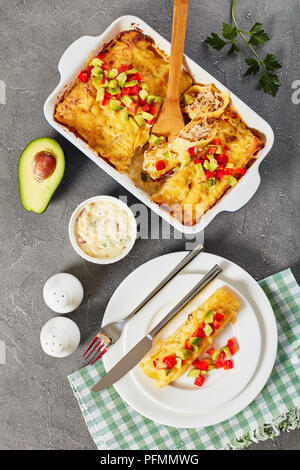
(133, 357)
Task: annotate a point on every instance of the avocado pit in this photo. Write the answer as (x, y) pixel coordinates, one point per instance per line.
(44, 164)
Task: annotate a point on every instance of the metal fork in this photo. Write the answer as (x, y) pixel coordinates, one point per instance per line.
(110, 333)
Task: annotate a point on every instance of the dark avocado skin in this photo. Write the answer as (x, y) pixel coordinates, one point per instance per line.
(36, 193)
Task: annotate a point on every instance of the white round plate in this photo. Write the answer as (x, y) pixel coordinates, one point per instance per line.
(220, 386)
(241, 386)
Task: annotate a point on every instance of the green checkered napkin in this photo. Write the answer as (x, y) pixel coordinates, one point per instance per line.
(115, 425)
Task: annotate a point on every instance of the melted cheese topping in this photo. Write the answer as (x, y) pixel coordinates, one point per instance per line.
(196, 133)
(103, 230)
(222, 301)
(104, 129)
(185, 195)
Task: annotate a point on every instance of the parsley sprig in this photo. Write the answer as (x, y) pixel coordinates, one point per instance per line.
(268, 81)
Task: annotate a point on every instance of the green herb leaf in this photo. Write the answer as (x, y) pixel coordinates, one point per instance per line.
(271, 62)
(253, 66)
(269, 82)
(215, 41)
(229, 32)
(258, 35)
(233, 48)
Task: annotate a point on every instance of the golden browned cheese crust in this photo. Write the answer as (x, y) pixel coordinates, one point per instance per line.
(223, 301)
(185, 195)
(102, 128)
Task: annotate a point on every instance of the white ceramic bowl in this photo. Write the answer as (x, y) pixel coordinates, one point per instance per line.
(73, 240)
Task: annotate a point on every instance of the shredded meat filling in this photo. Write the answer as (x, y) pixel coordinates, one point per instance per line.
(197, 132)
(206, 99)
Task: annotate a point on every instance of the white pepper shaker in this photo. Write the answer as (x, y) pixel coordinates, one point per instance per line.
(63, 293)
(60, 337)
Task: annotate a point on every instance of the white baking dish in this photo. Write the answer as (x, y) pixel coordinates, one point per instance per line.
(75, 57)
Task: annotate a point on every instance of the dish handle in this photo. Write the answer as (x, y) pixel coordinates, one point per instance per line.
(242, 193)
(79, 50)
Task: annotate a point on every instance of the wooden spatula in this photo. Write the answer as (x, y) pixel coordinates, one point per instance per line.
(170, 120)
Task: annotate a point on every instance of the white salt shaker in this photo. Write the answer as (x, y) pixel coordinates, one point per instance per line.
(63, 293)
(60, 337)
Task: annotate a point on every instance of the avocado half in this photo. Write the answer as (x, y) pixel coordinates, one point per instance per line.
(41, 168)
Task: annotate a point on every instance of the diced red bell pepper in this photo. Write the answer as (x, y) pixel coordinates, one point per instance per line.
(105, 100)
(199, 333)
(103, 79)
(219, 174)
(212, 149)
(219, 364)
(219, 316)
(233, 345)
(160, 165)
(228, 365)
(122, 68)
(141, 102)
(170, 361)
(228, 171)
(151, 122)
(119, 96)
(222, 159)
(202, 365)
(133, 108)
(220, 361)
(216, 324)
(210, 351)
(101, 55)
(199, 380)
(83, 76)
(226, 147)
(136, 76)
(240, 171)
(192, 151)
(209, 174)
(105, 66)
(107, 95)
(216, 142)
(89, 70)
(188, 344)
(197, 160)
(222, 356)
(125, 91)
(152, 109)
(134, 90)
(145, 107)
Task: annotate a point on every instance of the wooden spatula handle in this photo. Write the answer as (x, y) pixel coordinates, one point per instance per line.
(178, 36)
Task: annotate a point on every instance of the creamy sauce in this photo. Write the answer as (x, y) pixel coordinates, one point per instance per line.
(134, 172)
(103, 229)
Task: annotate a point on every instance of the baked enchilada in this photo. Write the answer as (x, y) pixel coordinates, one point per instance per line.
(114, 100)
(173, 356)
(113, 104)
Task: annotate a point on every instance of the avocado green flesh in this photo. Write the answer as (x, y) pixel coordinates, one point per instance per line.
(35, 196)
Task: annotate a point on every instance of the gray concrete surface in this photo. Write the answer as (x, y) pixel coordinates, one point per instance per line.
(38, 410)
